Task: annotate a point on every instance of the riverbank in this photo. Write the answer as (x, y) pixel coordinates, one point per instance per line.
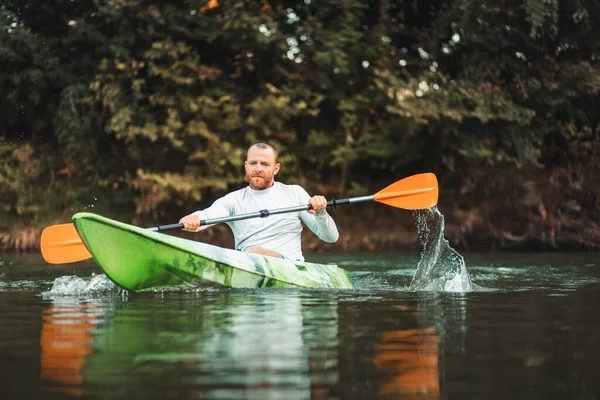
(377, 228)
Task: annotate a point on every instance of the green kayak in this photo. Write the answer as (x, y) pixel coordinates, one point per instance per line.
(139, 260)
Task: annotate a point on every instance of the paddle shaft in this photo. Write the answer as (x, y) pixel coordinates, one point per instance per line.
(263, 213)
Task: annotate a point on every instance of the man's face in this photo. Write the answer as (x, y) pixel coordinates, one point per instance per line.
(261, 168)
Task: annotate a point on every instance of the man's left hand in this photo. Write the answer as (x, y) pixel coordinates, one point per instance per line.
(318, 203)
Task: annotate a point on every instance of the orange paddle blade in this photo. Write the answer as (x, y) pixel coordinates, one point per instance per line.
(413, 193)
(61, 244)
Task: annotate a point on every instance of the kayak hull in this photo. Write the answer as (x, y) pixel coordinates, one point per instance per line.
(140, 260)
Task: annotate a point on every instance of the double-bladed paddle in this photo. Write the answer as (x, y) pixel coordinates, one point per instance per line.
(61, 244)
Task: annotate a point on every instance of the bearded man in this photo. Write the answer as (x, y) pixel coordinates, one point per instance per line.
(277, 235)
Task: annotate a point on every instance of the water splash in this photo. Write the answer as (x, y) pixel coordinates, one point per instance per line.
(74, 285)
(441, 268)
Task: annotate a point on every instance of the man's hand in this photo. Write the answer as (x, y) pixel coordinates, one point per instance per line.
(191, 223)
(318, 203)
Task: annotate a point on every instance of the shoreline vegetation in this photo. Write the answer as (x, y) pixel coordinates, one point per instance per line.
(373, 230)
(143, 112)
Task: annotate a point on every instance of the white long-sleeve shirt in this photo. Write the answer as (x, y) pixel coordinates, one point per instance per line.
(281, 232)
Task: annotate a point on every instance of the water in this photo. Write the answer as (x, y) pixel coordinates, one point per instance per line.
(531, 331)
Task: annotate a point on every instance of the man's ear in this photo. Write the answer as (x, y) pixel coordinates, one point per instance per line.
(277, 167)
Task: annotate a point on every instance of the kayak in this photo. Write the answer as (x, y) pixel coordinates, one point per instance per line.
(141, 260)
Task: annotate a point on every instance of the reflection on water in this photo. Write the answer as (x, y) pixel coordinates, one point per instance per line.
(220, 345)
(66, 340)
(411, 358)
(411, 361)
(242, 345)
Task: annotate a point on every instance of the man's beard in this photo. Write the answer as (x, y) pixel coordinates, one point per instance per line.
(259, 182)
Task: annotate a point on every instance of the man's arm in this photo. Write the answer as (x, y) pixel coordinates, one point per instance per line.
(319, 221)
(218, 209)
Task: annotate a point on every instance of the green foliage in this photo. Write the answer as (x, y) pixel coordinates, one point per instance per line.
(150, 106)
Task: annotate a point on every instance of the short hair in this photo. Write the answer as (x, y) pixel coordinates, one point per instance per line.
(265, 146)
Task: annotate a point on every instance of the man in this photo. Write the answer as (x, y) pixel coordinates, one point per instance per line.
(277, 235)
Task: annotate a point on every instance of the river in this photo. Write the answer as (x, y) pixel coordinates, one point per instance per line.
(529, 328)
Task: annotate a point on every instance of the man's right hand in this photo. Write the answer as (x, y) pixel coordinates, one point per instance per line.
(191, 223)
